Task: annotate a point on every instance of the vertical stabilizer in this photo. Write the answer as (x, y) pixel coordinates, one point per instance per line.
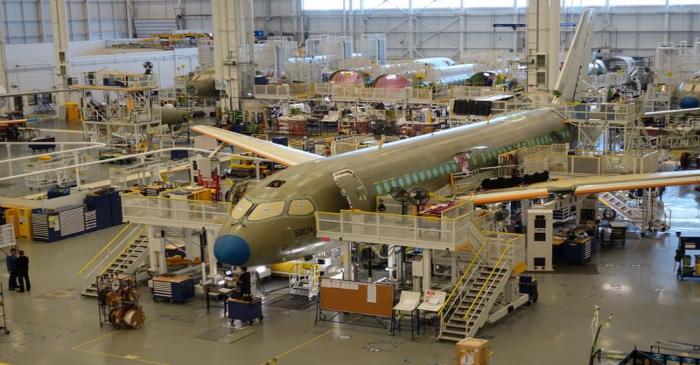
(576, 62)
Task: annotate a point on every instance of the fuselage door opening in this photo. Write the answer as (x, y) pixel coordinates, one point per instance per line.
(352, 189)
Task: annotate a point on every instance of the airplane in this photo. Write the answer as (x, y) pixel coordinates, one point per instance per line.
(275, 222)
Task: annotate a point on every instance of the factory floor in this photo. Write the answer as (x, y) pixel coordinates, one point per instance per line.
(53, 324)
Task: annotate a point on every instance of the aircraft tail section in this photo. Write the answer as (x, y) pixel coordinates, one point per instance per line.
(576, 61)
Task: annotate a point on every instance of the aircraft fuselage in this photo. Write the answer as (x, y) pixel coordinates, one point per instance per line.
(274, 223)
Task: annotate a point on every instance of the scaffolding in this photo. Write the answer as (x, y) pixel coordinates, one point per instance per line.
(608, 127)
(121, 110)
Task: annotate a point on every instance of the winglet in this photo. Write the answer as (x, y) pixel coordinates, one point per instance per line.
(576, 62)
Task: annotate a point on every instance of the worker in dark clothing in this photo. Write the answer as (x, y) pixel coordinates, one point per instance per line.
(244, 284)
(10, 261)
(22, 270)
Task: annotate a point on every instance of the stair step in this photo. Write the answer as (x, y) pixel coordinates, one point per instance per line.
(454, 332)
(450, 338)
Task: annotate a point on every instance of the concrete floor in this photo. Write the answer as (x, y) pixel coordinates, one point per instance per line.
(53, 325)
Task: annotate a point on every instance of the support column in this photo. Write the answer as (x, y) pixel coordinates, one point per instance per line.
(156, 250)
(86, 16)
(40, 19)
(211, 260)
(129, 18)
(3, 60)
(232, 46)
(554, 42)
(427, 269)
(462, 31)
(346, 253)
(543, 40)
(411, 30)
(59, 26)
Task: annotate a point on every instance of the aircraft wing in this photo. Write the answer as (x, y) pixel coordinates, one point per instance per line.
(589, 185)
(671, 111)
(274, 152)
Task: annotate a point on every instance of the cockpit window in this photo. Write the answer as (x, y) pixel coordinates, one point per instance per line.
(301, 207)
(276, 183)
(241, 208)
(266, 210)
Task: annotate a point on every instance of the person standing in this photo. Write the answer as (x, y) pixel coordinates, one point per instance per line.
(10, 261)
(22, 270)
(244, 284)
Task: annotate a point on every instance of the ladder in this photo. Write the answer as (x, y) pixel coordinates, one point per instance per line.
(126, 256)
(304, 280)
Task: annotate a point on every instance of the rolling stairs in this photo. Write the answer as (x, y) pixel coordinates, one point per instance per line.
(126, 257)
(481, 294)
(635, 214)
(304, 280)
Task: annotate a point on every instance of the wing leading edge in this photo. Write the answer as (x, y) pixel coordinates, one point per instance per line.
(278, 153)
(590, 185)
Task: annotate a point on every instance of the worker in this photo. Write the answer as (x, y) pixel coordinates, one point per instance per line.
(10, 261)
(244, 284)
(22, 269)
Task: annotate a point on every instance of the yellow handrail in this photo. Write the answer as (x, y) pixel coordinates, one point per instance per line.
(126, 247)
(478, 295)
(462, 278)
(104, 248)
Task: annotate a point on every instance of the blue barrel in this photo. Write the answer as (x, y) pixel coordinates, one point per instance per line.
(284, 141)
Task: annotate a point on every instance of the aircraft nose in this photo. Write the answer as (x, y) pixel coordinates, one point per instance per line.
(232, 249)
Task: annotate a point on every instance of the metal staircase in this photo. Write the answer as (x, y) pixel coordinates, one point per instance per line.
(657, 217)
(127, 251)
(470, 304)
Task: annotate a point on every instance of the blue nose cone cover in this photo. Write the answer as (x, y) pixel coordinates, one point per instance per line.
(688, 102)
(232, 249)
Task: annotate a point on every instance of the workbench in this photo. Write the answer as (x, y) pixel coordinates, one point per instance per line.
(175, 288)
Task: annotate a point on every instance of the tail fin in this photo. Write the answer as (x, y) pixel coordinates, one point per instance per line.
(576, 61)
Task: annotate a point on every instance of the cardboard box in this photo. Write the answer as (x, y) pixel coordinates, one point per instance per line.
(472, 351)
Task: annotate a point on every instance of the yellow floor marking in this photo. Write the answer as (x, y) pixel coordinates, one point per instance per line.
(127, 357)
(100, 353)
(297, 347)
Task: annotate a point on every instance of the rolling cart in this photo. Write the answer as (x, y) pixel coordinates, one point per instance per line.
(684, 261)
(3, 315)
(245, 311)
(117, 301)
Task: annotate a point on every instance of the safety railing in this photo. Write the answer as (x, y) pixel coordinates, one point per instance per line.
(272, 91)
(460, 289)
(397, 229)
(619, 113)
(130, 255)
(125, 232)
(174, 212)
(109, 253)
(471, 92)
(502, 265)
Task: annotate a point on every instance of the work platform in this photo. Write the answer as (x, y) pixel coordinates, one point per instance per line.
(484, 292)
(455, 230)
(169, 212)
